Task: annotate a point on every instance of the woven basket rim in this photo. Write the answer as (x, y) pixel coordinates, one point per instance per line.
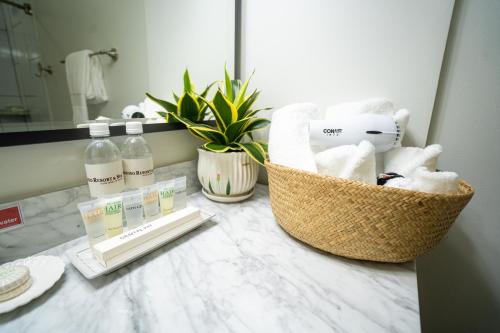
(465, 189)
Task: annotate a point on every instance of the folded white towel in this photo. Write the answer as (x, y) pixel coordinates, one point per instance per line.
(405, 160)
(374, 105)
(289, 136)
(424, 180)
(402, 117)
(85, 83)
(349, 162)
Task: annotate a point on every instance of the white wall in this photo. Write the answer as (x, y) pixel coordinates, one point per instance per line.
(459, 282)
(326, 52)
(197, 34)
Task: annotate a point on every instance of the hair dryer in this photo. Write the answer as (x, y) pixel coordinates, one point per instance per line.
(382, 131)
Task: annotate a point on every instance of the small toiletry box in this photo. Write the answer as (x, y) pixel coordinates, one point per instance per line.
(361, 221)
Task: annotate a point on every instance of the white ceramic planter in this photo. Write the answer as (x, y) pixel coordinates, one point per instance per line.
(227, 177)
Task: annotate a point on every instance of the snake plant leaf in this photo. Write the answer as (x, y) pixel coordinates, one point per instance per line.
(187, 82)
(216, 147)
(254, 150)
(194, 133)
(225, 110)
(188, 107)
(170, 107)
(204, 93)
(246, 105)
(235, 129)
(236, 85)
(202, 131)
(209, 134)
(228, 188)
(218, 119)
(264, 146)
(252, 113)
(251, 125)
(254, 124)
(241, 93)
(228, 84)
(176, 97)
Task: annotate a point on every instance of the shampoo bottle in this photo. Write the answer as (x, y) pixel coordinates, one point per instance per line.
(103, 163)
(137, 158)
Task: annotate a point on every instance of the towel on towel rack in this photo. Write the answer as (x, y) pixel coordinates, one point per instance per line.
(85, 83)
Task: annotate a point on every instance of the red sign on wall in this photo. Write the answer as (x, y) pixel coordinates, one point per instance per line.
(10, 217)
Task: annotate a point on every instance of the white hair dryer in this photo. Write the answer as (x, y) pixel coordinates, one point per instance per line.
(382, 131)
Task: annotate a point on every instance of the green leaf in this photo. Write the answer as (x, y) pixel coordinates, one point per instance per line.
(241, 94)
(254, 112)
(204, 93)
(229, 86)
(210, 134)
(251, 125)
(171, 107)
(247, 104)
(255, 151)
(188, 107)
(225, 108)
(210, 187)
(235, 86)
(264, 146)
(187, 82)
(228, 188)
(176, 97)
(202, 131)
(235, 129)
(215, 147)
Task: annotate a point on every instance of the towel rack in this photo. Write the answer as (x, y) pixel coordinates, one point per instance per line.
(112, 53)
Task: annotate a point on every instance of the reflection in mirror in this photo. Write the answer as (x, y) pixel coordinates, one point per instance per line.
(65, 63)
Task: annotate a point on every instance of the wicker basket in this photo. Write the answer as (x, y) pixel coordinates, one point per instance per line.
(358, 220)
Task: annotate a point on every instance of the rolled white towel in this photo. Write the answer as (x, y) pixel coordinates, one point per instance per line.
(289, 136)
(424, 180)
(355, 162)
(405, 160)
(373, 105)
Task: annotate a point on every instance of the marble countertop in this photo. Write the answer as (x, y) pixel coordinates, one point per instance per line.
(239, 272)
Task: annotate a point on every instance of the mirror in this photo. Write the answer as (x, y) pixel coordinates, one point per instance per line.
(63, 62)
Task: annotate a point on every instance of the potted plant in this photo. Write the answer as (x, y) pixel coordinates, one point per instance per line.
(229, 159)
(189, 105)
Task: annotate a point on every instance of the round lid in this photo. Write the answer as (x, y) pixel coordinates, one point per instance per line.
(99, 129)
(13, 276)
(133, 127)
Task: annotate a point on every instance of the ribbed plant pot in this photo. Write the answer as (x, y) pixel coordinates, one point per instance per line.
(227, 177)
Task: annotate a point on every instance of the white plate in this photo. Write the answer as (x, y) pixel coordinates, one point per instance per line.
(44, 271)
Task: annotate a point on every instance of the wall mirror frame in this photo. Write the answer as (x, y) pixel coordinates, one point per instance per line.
(15, 138)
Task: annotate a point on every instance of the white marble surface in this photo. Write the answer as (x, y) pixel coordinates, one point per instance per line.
(53, 218)
(239, 272)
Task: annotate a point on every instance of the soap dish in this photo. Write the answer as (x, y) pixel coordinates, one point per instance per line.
(45, 271)
(83, 259)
